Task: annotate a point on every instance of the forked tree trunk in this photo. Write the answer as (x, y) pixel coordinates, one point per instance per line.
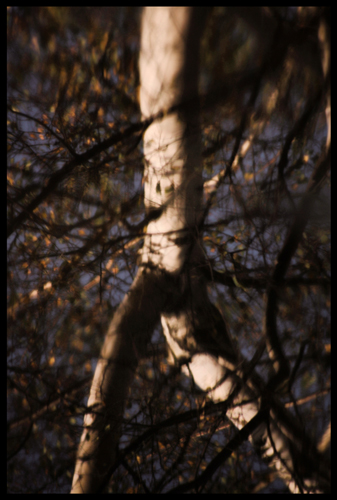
(169, 69)
(169, 282)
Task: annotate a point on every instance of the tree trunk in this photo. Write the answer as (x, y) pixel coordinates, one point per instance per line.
(128, 334)
(169, 66)
(169, 281)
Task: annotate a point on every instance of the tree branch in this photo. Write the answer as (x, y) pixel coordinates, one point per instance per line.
(239, 438)
(289, 248)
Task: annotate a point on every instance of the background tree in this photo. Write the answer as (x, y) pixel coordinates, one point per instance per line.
(76, 222)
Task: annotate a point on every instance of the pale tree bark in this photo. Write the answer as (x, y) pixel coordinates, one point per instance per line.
(170, 284)
(169, 66)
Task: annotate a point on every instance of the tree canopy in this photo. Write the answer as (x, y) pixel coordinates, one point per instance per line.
(76, 222)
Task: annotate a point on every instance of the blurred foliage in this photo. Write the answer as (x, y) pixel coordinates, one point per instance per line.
(73, 238)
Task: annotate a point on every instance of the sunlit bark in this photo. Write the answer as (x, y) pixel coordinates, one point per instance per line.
(172, 181)
(169, 68)
(169, 281)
